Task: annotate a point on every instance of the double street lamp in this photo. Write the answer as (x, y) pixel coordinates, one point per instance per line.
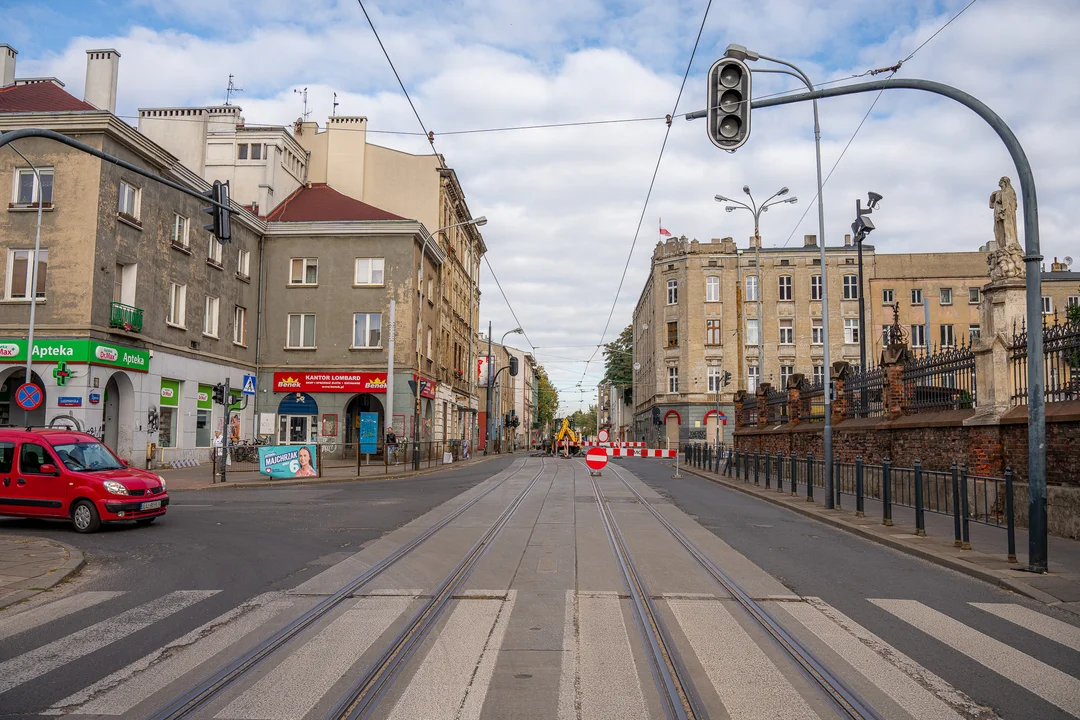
(491, 378)
(862, 227)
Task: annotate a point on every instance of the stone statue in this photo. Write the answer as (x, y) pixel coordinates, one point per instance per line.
(1006, 260)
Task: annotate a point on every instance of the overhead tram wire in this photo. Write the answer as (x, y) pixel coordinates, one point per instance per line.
(652, 184)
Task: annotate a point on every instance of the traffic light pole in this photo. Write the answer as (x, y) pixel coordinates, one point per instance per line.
(1037, 528)
(225, 432)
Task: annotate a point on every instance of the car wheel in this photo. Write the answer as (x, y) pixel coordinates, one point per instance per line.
(145, 521)
(84, 516)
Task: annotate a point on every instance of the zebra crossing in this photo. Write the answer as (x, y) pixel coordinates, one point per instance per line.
(600, 674)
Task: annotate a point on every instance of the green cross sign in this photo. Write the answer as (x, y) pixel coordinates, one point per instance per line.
(60, 372)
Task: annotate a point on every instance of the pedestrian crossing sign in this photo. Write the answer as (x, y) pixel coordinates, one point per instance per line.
(249, 385)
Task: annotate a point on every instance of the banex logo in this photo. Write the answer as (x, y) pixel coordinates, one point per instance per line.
(9, 350)
(289, 382)
(375, 383)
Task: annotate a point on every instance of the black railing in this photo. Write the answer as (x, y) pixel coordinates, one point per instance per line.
(812, 398)
(942, 380)
(776, 404)
(750, 410)
(863, 392)
(1061, 361)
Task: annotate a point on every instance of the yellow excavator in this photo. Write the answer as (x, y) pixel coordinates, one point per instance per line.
(566, 440)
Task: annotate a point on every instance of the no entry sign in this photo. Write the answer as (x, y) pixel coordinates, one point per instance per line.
(596, 458)
(28, 396)
(602, 436)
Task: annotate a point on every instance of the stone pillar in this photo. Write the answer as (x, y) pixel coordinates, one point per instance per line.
(839, 374)
(892, 392)
(1002, 310)
(763, 404)
(739, 396)
(794, 399)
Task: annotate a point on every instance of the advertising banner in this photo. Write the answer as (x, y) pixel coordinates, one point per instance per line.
(427, 387)
(80, 350)
(369, 432)
(350, 382)
(287, 461)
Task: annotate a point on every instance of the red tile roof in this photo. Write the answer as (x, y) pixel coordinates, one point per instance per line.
(39, 97)
(322, 203)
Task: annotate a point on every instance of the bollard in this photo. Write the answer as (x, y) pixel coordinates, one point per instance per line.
(779, 471)
(794, 474)
(920, 520)
(886, 492)
(859, 510)
(1010, 523)
(956, 506)
(757, 467)
(809, 477)
(768, 471)
(966, 545)
(836, 482)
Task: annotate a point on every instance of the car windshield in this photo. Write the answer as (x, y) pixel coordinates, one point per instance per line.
(87, 456)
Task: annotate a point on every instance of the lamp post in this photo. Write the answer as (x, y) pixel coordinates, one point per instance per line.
(861, 228)
(491, 385)
(419, 330)
(33, 280)
(756, 210)
(740, 52)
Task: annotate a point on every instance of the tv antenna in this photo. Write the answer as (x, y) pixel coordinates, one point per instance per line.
(334, 110)
(1068, 261)
(231, 90)
(306, 111)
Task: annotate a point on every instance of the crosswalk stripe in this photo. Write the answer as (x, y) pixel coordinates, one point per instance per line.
(34, 664)
(1046, 681)
(295, 686)
(568, 668)
(747, 681)
(30, 619)
(478, 688)
(449, 673)
(906, 692)
(124, 689)
(1050, 628)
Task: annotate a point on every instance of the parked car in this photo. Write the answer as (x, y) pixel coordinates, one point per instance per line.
(61, 474)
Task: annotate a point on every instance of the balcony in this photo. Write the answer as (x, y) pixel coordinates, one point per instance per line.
(125, 317)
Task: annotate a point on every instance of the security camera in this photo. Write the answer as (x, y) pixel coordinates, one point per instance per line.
(873, 199)
(862, 227)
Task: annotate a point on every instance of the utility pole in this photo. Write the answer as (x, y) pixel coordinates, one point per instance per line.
(487, 418)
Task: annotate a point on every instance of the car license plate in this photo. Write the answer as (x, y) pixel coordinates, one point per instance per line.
(152, 505)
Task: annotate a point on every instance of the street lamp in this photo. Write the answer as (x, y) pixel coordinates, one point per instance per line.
(740, 52)
(491, 384)
(477, 222)
(862, 227)
(756, 210)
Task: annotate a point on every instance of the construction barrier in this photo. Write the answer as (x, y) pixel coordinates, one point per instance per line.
(640, 452)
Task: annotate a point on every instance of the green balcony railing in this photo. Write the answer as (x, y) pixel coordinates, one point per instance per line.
(125, 317)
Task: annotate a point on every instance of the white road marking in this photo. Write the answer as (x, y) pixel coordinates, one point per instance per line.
(30, 619)
(295, 686)
(1047, 682)
(34, 664)
(607, 683)
(1050, 628)
(478, 688)
(124, 689)
(747, 681)
(904, 691)
(568, 669)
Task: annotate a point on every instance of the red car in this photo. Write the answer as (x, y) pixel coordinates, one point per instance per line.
(64, 474)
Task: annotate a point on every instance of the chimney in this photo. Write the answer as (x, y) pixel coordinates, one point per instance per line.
(7, 65)
(847, 239)
(809, 240)
(753, 241)
(101, 69)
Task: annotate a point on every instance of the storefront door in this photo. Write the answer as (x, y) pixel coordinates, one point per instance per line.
(299, 428)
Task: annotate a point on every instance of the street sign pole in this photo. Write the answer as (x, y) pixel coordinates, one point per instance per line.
(225, 432)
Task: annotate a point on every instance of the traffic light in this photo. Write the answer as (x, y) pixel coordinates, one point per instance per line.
(61, 373)
(729, 103)
(656, 416)
(219, 394)
(221, 222)
(513, 366)
(727, 378)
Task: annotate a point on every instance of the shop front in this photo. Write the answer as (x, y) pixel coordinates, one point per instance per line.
(345, 398)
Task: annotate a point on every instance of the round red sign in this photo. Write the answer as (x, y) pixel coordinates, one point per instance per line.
(596, 458)
(602, 435)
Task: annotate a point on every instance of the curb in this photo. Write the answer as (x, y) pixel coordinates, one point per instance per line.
(990, 576)
(76, 561)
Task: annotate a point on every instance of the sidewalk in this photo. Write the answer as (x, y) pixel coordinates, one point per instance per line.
(199, 478)
(987, 560)
(29, 565)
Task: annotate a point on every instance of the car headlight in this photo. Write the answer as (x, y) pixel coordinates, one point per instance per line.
(162, 481)
(115, 488)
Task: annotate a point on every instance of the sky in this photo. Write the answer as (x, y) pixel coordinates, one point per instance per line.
(566, 207)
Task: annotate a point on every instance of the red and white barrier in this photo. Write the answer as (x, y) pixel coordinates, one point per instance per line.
(614, 443)
(640, 452)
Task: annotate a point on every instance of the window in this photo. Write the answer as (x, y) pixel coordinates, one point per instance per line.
(31, 457)
(945, 296)
(256, 151)
(817, 332)
(751, 288)
(712, 332)
(785, 287)
(819, 374)
(974, 333)
(177, 301)
(1047, 305)
(918, 336)
(428, 343)
(367, 330)
(242, 151)
(673, 379)
(243, 263)
(947, 337)
(239, 333)
(916, 296)
(888, 297)
(430, 281)
(787, 332)
(751, 332)
(369, 271)
(305, 271)
(716, 375)
(213, 252)
(129, 200)
(672, 292)
(815, 287)
(301, 331)
(179, 234)
(210, 317)
(27, 191)
(786, 371)
(712, 289)
(851, 330)
(751, 378)
(19, 270)
(974, 296)
(673, 334)
(1072, 301)
(851, 287)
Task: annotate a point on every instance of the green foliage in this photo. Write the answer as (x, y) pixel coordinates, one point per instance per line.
(619, 359)
(584, 422)
(547, 398)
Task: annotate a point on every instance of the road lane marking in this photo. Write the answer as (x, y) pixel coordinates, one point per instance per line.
(568, 690)
(295, 686)
(1050, 628)
(608, 685)
(31, 665)
(1046, 681)
(747, 681)
(30, 619)
(477, 691)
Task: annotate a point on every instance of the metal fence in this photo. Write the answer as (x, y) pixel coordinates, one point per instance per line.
(1061, 361)
(776, 404)
(812, 397)
(400, 458)
(940, 380)
(750, 410)
(863, 392)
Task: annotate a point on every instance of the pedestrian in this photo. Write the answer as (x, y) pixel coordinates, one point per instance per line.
(391, 444)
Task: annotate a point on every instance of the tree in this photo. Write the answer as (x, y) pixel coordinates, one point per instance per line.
(584, 422)
(619, 359)
(547, 398)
